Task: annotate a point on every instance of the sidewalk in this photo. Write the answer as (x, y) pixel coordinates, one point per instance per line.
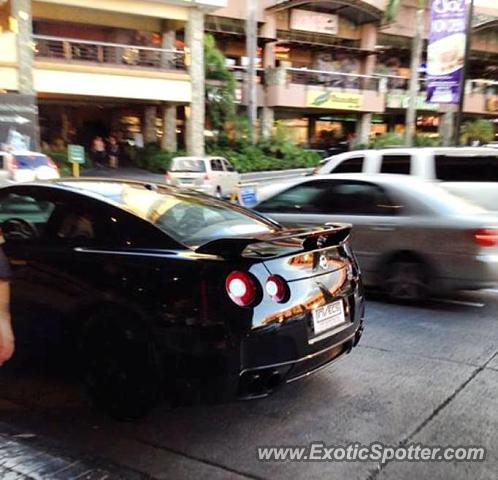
(23, 458)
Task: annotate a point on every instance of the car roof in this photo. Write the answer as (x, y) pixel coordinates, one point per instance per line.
(404, 150)
(23, 152)
(90, 186)
(396, 181)
(210, 157)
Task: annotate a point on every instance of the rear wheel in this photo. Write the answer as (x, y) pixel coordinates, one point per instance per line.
(120, 370)
(405, 280)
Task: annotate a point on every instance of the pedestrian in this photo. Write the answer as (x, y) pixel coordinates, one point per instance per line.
(98, 151)
(351, 141)
(113, 152)
(6, 333)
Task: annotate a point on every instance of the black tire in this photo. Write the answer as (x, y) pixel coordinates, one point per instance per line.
(120, 369)
(406, 280)
(218, 194)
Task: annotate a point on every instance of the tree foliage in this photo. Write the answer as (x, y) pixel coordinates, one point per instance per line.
(481, 130)
(220, 87)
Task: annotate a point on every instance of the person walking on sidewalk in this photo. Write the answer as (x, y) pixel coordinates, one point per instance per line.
(98, 152)
(6, 333)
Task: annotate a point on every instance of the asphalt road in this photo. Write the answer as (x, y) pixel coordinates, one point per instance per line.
(424, 374)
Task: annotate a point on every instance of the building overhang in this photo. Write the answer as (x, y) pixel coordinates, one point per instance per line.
(206, 5)
(357, 11)
(490, 24)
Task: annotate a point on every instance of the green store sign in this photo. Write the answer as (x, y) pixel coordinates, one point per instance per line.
(401, 102)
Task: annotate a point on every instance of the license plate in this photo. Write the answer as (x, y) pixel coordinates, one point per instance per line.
(187, 181)
(328, 317)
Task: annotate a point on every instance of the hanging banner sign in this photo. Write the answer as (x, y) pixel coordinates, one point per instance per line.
(333, 100)
(446, 51)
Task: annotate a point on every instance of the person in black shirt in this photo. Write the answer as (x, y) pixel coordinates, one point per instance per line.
(6, 333)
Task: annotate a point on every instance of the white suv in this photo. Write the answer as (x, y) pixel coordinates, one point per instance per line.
(212, 175)
(470, 172)
(25, 166)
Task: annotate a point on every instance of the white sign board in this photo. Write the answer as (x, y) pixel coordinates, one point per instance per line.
(318, 22)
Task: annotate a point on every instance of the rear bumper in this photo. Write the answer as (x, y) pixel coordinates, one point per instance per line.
(474, 273)
(261, 381)
(261, 361)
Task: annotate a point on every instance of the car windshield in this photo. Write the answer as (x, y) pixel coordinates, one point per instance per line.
(31, 161)
(192, 165)
(189, 219)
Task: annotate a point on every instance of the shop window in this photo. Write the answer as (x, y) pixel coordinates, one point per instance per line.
(396, 164)
(467, 168)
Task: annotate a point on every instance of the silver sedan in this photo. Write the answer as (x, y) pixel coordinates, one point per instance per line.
(411, 237)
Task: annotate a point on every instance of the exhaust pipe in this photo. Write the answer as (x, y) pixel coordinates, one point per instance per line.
(273, 380)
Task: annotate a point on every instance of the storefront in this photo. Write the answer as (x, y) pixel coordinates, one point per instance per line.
(66, 120)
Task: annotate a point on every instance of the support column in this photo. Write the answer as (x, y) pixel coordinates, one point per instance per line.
(194, 36)
(363, 129)
(21, 11)
(311, 130)
(447, 125)
(65, 125)
(368, 41)
(168, 140)
(168, 42)
(267, 122)
(149, 127)
(269, 30)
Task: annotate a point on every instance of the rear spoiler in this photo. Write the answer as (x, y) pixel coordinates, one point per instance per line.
(303, 239)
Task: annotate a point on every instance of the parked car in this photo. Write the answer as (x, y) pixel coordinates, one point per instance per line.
(470, 172)
(412, 238)
(212, 175)
(167, 291)
(27, 166)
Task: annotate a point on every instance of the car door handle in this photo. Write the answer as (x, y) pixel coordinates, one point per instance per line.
(16, 262)
(382, 228)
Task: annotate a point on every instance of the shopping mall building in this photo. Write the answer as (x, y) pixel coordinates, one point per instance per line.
(328, 70)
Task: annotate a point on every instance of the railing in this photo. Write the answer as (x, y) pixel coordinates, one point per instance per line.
(104, 53)
(482, 86)
(395, 82)
(332, 79)
(240, 73)
(487, 87)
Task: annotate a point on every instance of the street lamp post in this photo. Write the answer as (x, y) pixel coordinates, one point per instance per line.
(463, 79)
(251, 53)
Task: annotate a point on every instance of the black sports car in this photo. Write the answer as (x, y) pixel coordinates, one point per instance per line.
(161, 291)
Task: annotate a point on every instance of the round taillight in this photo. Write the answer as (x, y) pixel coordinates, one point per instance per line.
(276, 287)
(241, 288)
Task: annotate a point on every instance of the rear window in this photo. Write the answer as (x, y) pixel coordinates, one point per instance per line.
(396, 164)
(191, 165)
(482, 168)
(186, 218)
(31, 161)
